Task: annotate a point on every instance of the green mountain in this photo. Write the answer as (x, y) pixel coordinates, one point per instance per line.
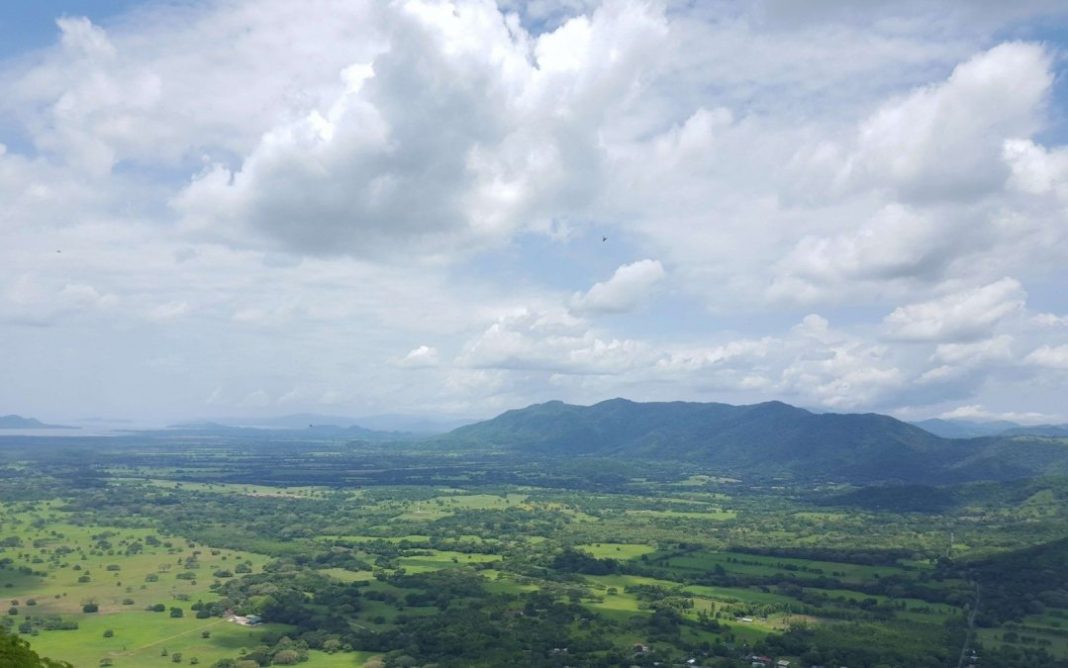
(965, 428)
(765, 440)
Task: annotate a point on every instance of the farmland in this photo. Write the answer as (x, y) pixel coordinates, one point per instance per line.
(146, 557)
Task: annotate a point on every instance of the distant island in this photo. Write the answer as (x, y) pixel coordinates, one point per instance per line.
(19, 422)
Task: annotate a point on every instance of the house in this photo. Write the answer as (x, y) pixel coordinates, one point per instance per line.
(782, 663)
(758, 661)
(641, 649)
(254, 620)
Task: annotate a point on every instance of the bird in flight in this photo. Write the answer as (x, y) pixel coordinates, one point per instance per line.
(604, 239)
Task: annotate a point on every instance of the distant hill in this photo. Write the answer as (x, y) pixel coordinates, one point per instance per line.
(414, 424)
(767, 440)
(408, 424)
(19, 422)
(279, 429)
(973, 429)
(294, 421)
(1052, 430)
(965, 428)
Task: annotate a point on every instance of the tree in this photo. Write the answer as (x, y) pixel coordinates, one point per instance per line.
(286, 657)
(16, 653)
(177, 612)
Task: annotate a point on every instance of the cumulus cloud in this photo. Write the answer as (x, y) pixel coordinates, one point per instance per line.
(933, 180)
(1036, 169)
(466, 129)
(420, 357)
(1050, 320)
(30, 299)
(550, 340)
(1053, 357)
(434, 171)
(966, 315)
(945, 141)
(629, 287)
(897, 244)
(996, 348)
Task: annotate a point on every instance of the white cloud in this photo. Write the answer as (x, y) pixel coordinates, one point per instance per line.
(1036, 169)
(966, 315)
(420, 357)
(549, 341)
(1052, 357)
(977, 413)
(80, 295)
(998, 348)
(945, 141)
(436, 171)
(629, 287)
(1050, 320)
(897, 244)
(461, 133)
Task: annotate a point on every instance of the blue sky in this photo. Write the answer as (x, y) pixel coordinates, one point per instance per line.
(260, 207)
(27, 25)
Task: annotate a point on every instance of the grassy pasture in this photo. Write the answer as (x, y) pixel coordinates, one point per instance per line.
(436, 560)
(141, 637)
(122, 571)
(616, 550)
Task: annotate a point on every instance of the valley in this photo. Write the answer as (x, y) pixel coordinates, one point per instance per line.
(156, 550)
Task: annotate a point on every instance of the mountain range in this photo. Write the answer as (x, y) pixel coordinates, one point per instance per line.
(976, 428)
(770, 439)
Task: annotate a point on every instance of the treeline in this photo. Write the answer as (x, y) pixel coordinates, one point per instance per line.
(885, 557)
(1021, 583)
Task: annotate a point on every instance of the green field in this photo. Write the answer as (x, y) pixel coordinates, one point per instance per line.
(443, 571)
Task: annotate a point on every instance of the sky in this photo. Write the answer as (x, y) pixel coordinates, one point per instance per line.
(261, 207)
